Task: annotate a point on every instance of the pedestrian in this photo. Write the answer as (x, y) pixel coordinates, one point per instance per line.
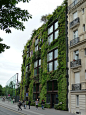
(13, 100)
(36, 102)
(29, 102)
(42, 103)
(24, 104)
(19, 105)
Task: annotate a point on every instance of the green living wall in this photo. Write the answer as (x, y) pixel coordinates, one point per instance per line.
(44, 75)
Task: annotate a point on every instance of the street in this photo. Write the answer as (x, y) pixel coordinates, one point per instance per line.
(8, 108)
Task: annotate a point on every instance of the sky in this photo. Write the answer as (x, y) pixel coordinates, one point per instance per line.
(11, 59)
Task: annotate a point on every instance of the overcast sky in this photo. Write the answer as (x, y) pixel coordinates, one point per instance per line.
(11, 59)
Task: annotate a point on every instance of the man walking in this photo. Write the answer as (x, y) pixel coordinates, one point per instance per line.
(29, 103)
(36, 102)
(19, 105)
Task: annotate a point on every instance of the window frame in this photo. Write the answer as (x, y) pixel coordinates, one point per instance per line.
(54, 30)
(36, 45)
(37, 67)
(83, 27)
(53, 59)
(77, 100)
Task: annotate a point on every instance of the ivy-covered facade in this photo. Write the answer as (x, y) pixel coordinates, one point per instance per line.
(44, 63)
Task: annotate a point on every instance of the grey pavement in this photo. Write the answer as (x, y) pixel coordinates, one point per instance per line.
(33, 111)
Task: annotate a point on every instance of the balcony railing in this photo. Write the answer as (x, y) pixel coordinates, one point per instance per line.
(74, 22)
(74, 41)
(75, 63)
(76, 86)
(73, 4)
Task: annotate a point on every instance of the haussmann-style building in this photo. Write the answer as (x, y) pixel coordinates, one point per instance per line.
(77, 56)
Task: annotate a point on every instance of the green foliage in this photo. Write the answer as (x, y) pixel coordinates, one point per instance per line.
(44, 75)
(10, 16)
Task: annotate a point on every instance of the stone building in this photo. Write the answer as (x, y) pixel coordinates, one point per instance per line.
(77, 56)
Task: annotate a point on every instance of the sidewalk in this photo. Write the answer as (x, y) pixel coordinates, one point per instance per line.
(33, 110)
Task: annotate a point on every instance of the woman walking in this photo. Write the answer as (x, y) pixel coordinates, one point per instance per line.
(36, 102)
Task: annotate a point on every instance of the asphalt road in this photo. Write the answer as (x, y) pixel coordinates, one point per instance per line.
(8, 108)
(6, 111)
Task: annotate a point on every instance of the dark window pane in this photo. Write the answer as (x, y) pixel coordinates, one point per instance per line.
(48, 98)
(55, 85)
(34, 88)
(34, 96)
(49, 86)
(56, 99)
(35, 71)
(37, 87)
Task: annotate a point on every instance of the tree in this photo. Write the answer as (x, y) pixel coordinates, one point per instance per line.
(0, 90)
(45, 18)
(11, 16)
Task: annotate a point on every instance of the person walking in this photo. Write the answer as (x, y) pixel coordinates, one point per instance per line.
(19, 105)
(36, 103)
(13, 100)
(29, 102)
(42, 103)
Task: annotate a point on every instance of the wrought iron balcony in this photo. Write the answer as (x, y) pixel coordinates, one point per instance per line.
(74, 41)
(73, 4)
(74, 22)
(75, 63)
(76, 87)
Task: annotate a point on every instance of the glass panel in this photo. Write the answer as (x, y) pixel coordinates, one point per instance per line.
(55, 64)
(34, 96)
(85, 51)
(26, 68)
(36, 42)
(55, 53)
(75, 34)
(35, 71)
(56, 98)
(27, 55)
(55, 85)
(49, 86)
(35, 63)
(49, 56)
(50, 66)
(37, 87)
(77, 99)
(34, 88)
(50, 38)
(76, 55)
(75, 15)
(39, 62)
(48, 98)
(77, 77)
(36, 48)
(50, 29)
(56, 35)
(56, 25)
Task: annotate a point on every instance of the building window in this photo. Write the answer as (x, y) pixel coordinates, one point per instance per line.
(37, 65)
(83, 11)
(83, 27)
(74, 15)
(56, 34)
(77, 78)
(56, 25)
(48, 98)
(28, 51)
(26, 68)
(53, 32)
(52, 62)
(50, 30)
(85, 74)
(76, 54)
(75, 34)
(85, 51)
(36, 45)
(77, 100)
(36, 91)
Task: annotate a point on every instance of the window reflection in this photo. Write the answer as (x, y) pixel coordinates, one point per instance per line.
(49, 56)
(55, 53)
(50, 38)
(50, 29)
(55, 64)
(56, 25)
(56, 34)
